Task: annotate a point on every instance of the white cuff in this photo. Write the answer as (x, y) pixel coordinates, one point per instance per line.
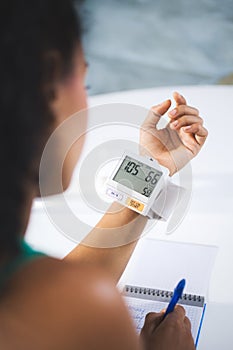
(166, 202)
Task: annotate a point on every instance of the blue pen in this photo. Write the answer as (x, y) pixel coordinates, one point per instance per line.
(176, 296)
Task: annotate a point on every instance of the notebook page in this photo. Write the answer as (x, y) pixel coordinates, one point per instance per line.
(161, 264)
(139, 308)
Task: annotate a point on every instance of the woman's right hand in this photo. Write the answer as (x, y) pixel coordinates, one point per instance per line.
(170, 333)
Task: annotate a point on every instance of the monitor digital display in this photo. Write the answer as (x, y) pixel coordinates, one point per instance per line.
(137, 176)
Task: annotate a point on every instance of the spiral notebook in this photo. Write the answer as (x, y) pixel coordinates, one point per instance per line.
(141, 301)
(153, 272)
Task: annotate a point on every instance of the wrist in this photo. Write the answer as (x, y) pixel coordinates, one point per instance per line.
(117, 216)
(169, 163)
(165, 159)
(124, 214)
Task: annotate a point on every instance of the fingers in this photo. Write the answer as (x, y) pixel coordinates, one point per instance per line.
(152, 321)
(177, 313)
(180, 100)
(186, 120)
(154, 318)
(191, 124)
(157, 111)
(181, 107)
(181, 110)
(178, 317)
(198, 131)
(187, 323)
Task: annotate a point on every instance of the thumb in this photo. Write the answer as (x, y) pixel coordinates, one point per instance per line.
(157, 111)
(152, 321)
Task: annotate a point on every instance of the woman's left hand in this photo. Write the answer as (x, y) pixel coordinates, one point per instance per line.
(182, 138)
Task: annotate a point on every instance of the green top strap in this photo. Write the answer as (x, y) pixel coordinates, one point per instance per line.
(25, 255)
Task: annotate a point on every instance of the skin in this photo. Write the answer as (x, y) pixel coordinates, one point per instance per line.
(73, 304)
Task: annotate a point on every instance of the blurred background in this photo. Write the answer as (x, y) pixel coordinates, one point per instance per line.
(132, 44)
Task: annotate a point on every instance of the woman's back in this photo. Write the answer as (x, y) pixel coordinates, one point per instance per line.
(49, 304)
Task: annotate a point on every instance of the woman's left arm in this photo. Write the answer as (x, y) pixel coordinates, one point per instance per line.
(112, 242)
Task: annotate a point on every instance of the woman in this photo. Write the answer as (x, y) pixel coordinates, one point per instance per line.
(72, 304)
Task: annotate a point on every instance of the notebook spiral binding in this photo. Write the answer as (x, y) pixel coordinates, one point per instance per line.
(161, 295)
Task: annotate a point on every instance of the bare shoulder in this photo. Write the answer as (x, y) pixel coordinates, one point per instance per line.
(73, 305)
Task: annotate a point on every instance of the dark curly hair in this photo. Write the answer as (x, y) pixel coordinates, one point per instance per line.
(33, 34)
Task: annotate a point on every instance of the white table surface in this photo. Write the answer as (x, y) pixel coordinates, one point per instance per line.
(209, 219)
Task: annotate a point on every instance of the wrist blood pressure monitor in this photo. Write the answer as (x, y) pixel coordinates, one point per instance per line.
(137, 183)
